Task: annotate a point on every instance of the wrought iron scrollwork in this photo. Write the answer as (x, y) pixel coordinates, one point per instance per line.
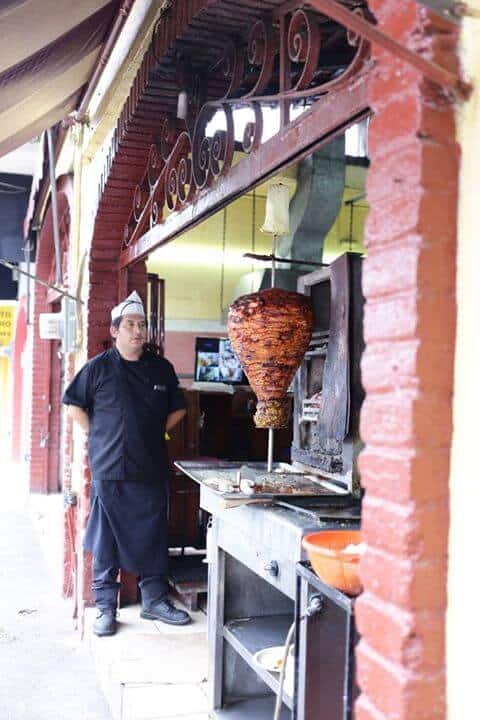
(232, 66)
(261, 51)
(140, 199)
(155, 164)
(303, 44)
(286, 62)
(253, 131)
(212, 155)
(169, 133)
(179, 185)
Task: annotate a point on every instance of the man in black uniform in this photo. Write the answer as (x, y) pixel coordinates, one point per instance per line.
(126, 399)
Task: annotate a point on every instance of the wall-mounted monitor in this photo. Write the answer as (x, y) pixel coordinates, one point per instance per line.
(215, 361)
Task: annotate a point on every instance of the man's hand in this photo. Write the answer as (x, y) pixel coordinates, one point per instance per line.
(174, 418)
(79, 416)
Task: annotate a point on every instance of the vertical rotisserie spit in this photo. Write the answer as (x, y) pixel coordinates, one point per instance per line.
(270, 331)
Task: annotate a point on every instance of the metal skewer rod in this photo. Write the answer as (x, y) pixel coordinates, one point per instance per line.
(270, 450)
(274, 243)
(270, 430)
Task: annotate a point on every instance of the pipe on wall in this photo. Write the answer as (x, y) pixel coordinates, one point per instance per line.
(112, 38)
(53, 193)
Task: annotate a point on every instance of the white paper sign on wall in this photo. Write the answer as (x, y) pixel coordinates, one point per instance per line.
(50, 326)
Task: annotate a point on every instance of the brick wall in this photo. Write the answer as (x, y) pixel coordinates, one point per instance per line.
(40, 391)
(137, 279)
(409, 283)
(42, 428)
(69, 521)
(54, 464)
(46, 388)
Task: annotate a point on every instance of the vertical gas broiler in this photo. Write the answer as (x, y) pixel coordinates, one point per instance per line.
(261, 590)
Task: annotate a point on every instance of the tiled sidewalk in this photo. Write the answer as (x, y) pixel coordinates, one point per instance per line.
(46, 671)
(152, 671)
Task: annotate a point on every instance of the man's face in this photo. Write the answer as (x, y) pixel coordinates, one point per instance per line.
(131, 335)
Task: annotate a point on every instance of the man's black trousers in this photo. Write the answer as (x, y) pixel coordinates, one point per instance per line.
(105, 586)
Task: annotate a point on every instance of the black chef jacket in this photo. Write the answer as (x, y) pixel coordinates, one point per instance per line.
(128, 403)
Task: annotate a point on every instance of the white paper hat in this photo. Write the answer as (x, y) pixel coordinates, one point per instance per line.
(132, 305)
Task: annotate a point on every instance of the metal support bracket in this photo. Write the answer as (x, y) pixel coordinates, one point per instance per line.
(49, 285)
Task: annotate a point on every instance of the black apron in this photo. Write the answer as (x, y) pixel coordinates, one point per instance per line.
(127, 526)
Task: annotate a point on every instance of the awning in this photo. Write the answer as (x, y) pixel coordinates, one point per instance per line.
(49, 51)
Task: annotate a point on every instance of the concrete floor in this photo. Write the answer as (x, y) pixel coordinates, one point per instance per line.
(148, 671)
(46, 673)
(152, 671)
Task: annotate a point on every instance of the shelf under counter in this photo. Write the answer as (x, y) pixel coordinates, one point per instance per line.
(249, 635)
(254, 709)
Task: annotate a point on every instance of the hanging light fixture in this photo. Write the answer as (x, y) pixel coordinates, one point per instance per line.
(183, 78)
(277, 218)
(182, 105)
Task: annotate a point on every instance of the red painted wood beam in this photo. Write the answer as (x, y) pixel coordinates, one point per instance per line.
(327, 118)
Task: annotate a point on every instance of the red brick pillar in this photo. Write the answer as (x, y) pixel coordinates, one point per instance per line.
(137, 279)
(46, 365)
(41, 373)
(54, 481)
(69, 513)
(409, 283)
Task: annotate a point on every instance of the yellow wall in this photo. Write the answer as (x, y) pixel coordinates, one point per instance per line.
(463, 622)
(7, 329)
(4, 395)
(193, 264)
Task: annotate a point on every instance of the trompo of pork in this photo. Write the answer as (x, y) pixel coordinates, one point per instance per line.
(270, 331)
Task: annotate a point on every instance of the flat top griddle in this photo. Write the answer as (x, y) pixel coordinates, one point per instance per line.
(282, 482)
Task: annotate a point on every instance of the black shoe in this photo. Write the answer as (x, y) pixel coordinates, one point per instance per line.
(105, 622)
(166, 612)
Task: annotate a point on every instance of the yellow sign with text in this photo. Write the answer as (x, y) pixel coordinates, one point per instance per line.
(7, 324)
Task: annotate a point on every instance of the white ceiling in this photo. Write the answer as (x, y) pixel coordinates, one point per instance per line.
(21, 161)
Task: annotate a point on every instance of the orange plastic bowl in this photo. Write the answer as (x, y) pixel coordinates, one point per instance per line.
(334, 567)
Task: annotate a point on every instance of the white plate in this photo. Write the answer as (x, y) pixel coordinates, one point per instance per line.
(271, 658)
